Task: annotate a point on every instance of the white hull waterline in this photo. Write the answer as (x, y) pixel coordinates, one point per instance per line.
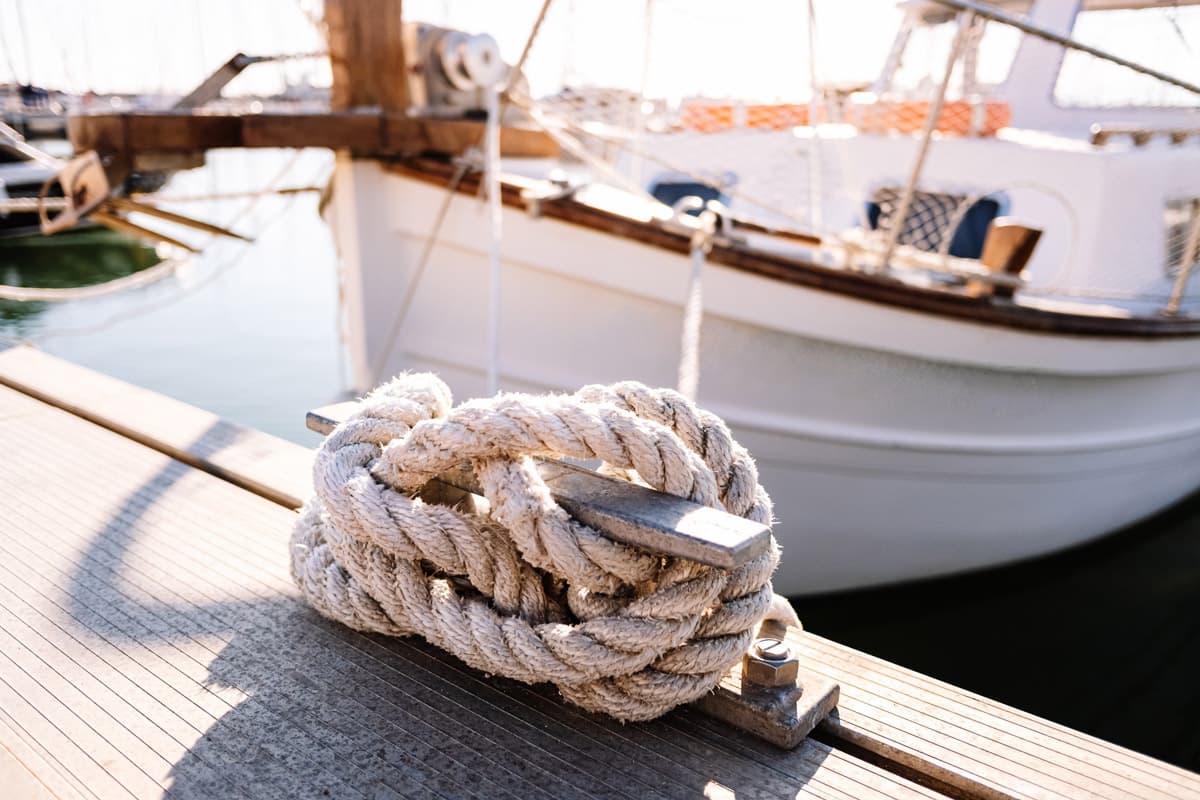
(897, 444)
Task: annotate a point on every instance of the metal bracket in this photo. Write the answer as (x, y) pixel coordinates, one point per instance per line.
(782, 715)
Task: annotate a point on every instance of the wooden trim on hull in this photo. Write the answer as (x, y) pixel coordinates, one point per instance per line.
(860, 286)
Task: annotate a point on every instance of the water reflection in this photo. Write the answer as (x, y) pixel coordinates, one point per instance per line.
(79, 257)
(247, 331)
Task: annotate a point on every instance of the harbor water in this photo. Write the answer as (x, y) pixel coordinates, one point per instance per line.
(249, 332)
(1105, 638)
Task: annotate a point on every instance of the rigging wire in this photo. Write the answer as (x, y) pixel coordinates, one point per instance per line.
(515, 73)
(411, 290)
(86, 45)
(554, 125)
(550, 121)
(1173, 20)
(814, 152)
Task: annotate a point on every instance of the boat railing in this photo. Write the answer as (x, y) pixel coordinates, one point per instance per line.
(968, 15)
(992, 14)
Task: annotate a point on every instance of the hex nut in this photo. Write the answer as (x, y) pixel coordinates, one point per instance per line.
(763, 672)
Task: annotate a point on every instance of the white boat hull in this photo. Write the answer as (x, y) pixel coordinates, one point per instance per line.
(896, 444)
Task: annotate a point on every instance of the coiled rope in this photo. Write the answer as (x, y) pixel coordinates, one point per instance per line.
(522, 589)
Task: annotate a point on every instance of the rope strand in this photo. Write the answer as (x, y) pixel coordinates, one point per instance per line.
(525, 591)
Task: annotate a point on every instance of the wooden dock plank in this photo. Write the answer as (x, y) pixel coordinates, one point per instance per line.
(264, 464)
(941, 730)
(152, 641)
(26, 774)
(955, 740)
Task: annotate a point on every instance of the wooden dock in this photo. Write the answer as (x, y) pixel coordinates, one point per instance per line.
(151, 641)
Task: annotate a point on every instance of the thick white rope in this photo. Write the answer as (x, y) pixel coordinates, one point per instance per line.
(693, 308)
(495, 235)
(689, 338)
(519, 588)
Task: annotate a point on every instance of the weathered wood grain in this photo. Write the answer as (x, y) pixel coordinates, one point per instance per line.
(889, 718)
(151, 641)
(257, 461)
(976, 745)
(366, 54)
(364, 133)
(18, 778)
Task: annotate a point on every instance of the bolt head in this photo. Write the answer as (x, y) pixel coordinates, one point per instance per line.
(759, 670)
(771, 649)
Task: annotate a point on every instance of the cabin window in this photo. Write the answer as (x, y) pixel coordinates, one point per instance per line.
(932, 217)
(671, 192)
(1182, 223)
(924, 59)
(1165, 38)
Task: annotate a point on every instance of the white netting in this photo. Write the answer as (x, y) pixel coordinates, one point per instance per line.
(929, 218)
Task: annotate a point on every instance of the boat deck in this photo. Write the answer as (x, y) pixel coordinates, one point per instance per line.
(151, 641)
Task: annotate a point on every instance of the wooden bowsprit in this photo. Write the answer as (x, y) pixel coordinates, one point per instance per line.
(768, 694)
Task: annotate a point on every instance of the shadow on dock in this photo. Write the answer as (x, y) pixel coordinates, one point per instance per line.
(257, 696)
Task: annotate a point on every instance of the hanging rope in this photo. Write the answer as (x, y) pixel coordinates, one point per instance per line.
(523, 590)
(514, 75)
(495, 235)
(693, 309)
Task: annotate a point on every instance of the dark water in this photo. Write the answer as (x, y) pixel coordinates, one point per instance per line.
(1105, 638)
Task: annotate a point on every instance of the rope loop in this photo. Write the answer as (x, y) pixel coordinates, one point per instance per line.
(516, 586)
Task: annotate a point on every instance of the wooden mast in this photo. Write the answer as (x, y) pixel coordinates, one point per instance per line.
(366, 55)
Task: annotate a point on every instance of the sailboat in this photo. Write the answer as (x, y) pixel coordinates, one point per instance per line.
(973, 343)
(23, 171)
